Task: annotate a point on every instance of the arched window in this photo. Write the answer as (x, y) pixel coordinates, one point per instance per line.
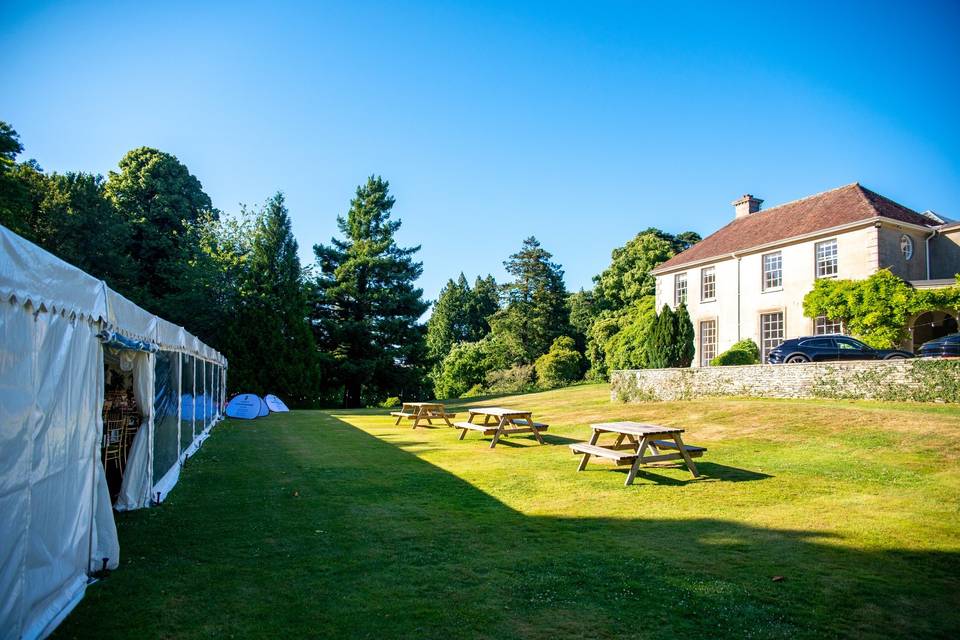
(906, 246)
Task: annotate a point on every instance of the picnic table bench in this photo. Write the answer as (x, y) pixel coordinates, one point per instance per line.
(500, 422)
(418, 411)
(632, 441)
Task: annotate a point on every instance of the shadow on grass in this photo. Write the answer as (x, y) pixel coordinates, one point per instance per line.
(303, 532)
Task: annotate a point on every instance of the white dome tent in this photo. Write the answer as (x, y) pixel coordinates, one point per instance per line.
(275, 404)
(61, 331)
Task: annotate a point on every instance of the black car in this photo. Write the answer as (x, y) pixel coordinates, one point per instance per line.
(947, 346)
(830, 349)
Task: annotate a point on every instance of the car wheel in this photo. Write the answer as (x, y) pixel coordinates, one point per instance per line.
(797, 358)
(896, 357)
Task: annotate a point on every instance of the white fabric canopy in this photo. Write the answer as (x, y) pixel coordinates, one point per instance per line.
(57, 522)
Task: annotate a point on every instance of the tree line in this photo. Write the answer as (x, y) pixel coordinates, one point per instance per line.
(530, 332)
(345, 330)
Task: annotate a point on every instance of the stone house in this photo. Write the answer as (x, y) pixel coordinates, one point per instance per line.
(748, 279)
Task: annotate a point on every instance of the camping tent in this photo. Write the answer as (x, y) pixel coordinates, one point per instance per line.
(245, 406)
(275, 404)
(59, 328)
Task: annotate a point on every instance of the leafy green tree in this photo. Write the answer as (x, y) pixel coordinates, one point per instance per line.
(536, 301)
(10, 146)
(367, 307)
(684, 240)
(623, 302)
(271, 347)
(605, 326)
(626, 346)
(82, 227)
(583, 311)
(684, 347)
(460, 314)
(163, 203)
(15, 184)
(628, 277)
(561, 365)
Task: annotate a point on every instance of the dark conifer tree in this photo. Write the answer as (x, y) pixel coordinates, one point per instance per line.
(367, 307)
(271, 348)
(536, 310)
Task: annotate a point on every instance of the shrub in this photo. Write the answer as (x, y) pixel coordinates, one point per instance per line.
(468, 363)
(516, 379)
(474, 391)
(743, 352)
(560, 365)
(391, 403)
(462, 368)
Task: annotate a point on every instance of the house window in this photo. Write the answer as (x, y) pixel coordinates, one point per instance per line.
(708, 284)
(772, 271)
(679, 289)
(823, 325)
(826, 258)
(906, 246)
(771, 333)
(708, 342)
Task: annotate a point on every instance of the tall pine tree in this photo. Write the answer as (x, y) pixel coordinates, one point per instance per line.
(536, 309)
(684, 338)
(271, 346)
(367, 306)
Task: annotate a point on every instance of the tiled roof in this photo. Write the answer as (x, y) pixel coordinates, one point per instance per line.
(840, 206)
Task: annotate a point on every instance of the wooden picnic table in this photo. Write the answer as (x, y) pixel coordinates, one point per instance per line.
(418, 411)
(500, 422)
(639, 437)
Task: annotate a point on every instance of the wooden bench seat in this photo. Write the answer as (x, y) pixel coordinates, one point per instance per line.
(523, 423)
(401, 414)
(692, 450)
(617, 456)
(487, 429)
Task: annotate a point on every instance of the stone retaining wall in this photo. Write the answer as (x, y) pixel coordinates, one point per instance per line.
(920, 380)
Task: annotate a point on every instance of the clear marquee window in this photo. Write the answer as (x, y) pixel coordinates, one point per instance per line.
(826, 258)
(772, 271)
(708, 284)
(708, 342)
(680, 289)
(771, 332)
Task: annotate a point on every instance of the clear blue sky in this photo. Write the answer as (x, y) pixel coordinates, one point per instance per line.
(579, 123)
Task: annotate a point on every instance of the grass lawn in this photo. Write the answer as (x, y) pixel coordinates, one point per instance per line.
(339, 524)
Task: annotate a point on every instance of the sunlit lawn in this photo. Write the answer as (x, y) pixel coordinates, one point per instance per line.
(340, 524)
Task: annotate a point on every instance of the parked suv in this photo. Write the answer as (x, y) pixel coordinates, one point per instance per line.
(945, 347)
(830, 349)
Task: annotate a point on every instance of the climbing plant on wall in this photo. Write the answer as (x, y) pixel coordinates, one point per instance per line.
(877, 310)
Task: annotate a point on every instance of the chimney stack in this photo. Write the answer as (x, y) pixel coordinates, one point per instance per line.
(746, 205)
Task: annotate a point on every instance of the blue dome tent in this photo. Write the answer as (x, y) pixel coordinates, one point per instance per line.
(245, 406)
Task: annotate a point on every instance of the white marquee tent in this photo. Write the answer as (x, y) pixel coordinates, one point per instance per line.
(57, 325)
